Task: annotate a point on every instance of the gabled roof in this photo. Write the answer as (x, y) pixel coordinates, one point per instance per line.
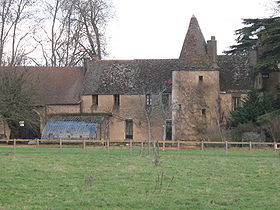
(129, 77)
(54, 85)
(194, 50)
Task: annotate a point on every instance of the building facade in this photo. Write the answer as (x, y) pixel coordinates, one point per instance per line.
(158, 99)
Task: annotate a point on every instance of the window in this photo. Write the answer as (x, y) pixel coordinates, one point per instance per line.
(168, 130)
(200, 78)
(203, 113)
(165, 99)
(116, 100)
(128, 129)
(265, 75)
(148, 100)
(179, 107)
(236, 102)
(95, 100)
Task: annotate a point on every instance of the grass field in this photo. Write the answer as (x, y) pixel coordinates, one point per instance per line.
(114, 179)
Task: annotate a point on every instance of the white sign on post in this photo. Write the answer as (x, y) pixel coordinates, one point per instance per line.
(21, 123)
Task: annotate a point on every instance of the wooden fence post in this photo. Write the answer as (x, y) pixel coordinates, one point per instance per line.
(275, 146)
(60, 143)
(202, 145)
(84, 144)
(14, 145)
(250, 145)
(163, 145)
(108, 143)
(178, 145)
(130, 146)
(226, 145)
(37, 144)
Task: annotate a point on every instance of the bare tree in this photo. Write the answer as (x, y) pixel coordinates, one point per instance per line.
(94, 15)
(271, 123)
(5, 25)
(16, 27)
(17, 95)
(154, 112)
(77, 31)
(190, 110)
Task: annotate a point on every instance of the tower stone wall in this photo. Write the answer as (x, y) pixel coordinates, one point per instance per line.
(195, 97)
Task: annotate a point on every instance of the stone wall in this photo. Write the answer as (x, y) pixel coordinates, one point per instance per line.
(130, 107)
(195, 95)
(270, 84)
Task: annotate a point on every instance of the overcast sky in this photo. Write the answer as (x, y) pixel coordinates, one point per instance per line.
(156, 28)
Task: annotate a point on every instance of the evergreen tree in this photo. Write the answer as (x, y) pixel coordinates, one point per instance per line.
(262, 33)
(251, 109)
(254, 106)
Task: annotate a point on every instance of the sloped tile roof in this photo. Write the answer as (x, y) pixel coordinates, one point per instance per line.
(236, 74)
(194, 53)
(155, 76)
(129, 77)
(54, 85)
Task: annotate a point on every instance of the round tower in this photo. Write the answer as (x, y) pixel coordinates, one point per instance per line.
(195, 87)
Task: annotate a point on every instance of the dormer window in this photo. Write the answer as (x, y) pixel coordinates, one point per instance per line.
(200, 78)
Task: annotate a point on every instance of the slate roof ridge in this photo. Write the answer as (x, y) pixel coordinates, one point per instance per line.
(228, 56)
(137, 59)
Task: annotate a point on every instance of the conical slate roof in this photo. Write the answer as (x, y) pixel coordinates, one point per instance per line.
(194, 50)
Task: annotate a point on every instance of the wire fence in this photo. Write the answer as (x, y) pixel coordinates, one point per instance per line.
(201, 145)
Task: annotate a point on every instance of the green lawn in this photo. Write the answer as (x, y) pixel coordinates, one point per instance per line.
(114, 179)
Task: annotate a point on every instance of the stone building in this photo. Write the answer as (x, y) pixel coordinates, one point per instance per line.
(159, 99)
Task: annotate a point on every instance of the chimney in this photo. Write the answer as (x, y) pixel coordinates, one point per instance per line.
(86, 63)
(212, 49)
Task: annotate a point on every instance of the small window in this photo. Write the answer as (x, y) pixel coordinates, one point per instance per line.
(95, 100)
(168, 130)
(148, 100)
(200, 78)
(128, 129)
(236, 102)
(203, 113)
(165, 100)
(265, 75)
(179, 107)
(116, 100)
